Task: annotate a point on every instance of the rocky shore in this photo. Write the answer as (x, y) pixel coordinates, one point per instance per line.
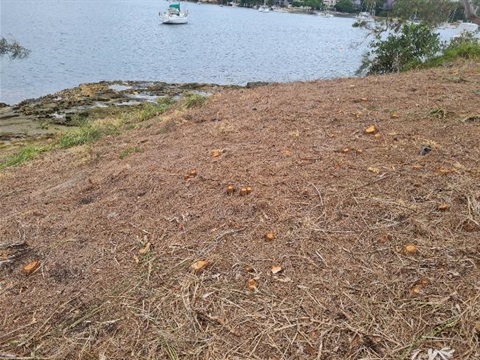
(47, 115)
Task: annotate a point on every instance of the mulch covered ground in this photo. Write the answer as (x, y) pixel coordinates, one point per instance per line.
(350, 245)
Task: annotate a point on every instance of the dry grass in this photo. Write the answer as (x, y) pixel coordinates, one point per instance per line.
(342, 205)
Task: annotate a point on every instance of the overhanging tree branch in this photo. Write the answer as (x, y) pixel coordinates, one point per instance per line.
(470, 12)
(12, 49)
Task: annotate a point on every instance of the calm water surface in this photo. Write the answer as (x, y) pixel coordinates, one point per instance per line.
(76, 41)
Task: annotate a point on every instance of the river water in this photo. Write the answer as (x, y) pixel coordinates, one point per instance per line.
(77, 41)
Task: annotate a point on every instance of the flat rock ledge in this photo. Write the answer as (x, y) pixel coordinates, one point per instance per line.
(30, 118)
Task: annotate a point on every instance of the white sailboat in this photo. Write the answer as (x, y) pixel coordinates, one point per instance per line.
(174, 15)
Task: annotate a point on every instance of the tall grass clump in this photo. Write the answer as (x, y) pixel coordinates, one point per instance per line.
(194, 100)
(86, 134)
(151, 110)
(26, 153)
(147, 111)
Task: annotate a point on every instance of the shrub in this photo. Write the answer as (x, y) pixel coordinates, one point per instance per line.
(404, 48)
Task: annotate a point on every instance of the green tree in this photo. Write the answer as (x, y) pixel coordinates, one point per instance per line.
(12, 49)
(314, 4)
(345, 6)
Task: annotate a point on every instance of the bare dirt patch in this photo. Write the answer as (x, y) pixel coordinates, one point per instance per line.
(375, 250)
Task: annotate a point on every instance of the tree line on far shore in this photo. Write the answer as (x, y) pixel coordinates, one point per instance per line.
(447, 9)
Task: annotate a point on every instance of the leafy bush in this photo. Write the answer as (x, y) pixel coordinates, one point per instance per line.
(346, 6)
(405, 47)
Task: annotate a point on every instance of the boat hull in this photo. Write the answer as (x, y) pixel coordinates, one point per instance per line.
(167, 19)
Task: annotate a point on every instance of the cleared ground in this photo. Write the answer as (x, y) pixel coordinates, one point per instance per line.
(375, 251)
